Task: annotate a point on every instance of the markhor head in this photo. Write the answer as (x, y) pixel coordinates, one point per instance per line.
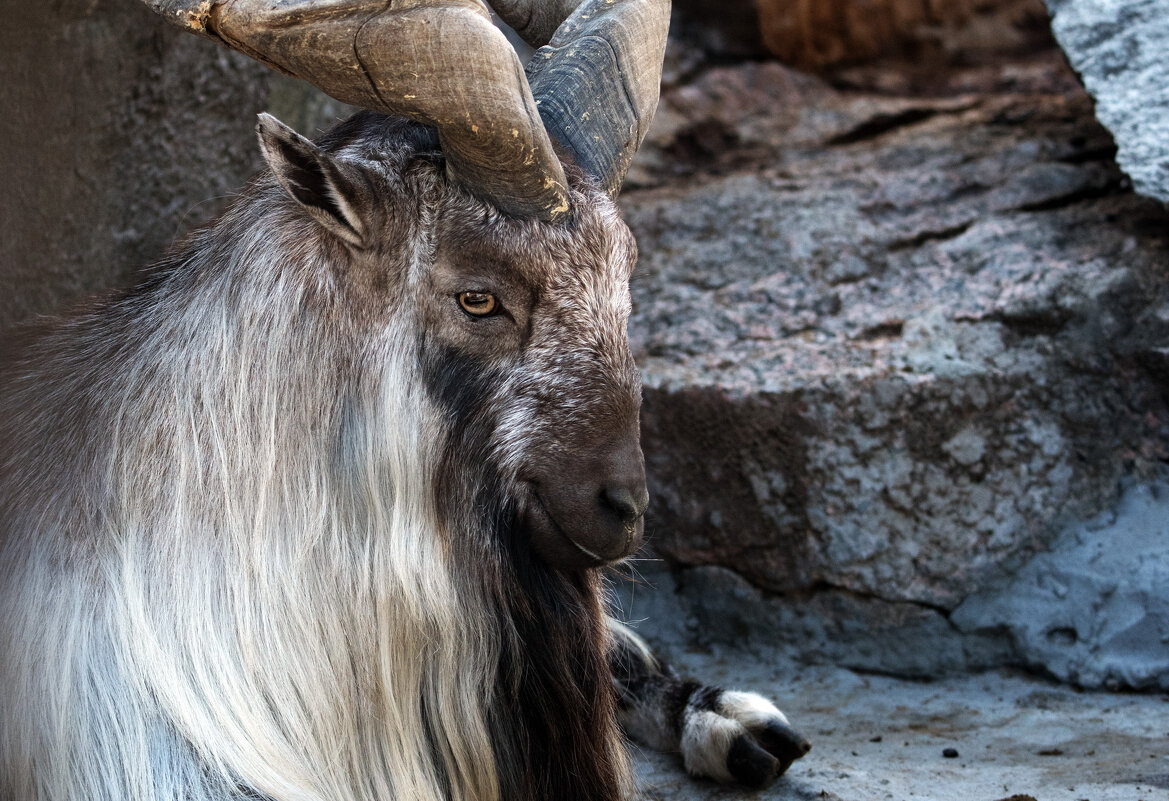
(522, 302)
(518, 327)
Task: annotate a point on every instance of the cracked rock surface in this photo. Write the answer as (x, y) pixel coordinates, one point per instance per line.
(891, 345)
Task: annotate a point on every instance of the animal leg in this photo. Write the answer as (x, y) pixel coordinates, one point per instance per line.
(726, 735)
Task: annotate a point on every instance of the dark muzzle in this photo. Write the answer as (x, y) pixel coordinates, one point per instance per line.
(587, 509)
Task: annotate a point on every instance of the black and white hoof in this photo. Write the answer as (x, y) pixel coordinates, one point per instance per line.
(738, 737)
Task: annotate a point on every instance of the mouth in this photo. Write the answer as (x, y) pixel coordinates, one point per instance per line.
(539, 507)
(567, 537)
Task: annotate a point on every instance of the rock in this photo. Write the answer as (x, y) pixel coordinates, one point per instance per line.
(878, 737)
(890, 346)
(120, 133)
(718, 607)
(728, 29)
(1092, 609)
(1120, 49)
(303, 107)
(831, 32)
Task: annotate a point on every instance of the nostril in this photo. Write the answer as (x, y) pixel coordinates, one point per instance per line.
(624, 502)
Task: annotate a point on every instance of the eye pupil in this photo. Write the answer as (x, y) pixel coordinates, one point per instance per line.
(478, 304)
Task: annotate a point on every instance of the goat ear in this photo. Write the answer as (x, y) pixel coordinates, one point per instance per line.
(315, 180)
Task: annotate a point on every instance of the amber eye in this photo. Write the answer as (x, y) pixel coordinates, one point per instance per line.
(479, 304)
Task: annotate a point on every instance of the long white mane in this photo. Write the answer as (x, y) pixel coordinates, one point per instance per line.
(320, 616)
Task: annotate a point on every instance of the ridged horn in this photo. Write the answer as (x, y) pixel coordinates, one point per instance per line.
(439, 62)
(597, 82)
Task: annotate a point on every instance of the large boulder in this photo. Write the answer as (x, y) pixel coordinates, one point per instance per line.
(891, 347)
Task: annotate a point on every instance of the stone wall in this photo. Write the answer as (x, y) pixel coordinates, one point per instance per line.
(119, 134)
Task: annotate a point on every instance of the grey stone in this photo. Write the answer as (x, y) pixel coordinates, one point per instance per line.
(1094, 608)
(120, 133)
(707, 607)
(865, 447)
(1121, 51)
(760, 375)
(966, 447)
